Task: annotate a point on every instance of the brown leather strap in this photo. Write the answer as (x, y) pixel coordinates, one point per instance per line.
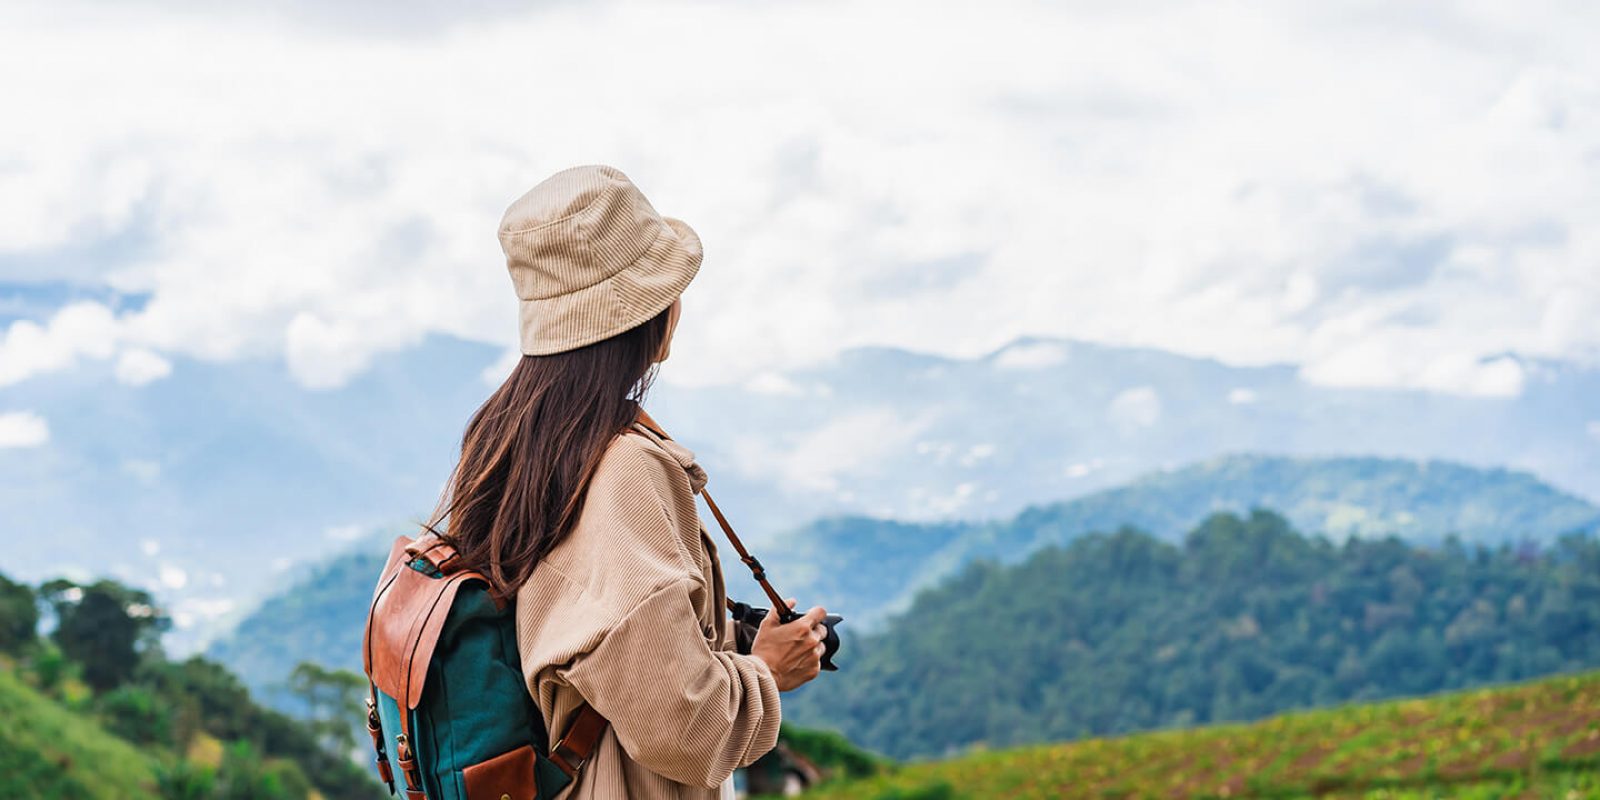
(434, 549)
(578, 744)
(375, 730)
(780, 607)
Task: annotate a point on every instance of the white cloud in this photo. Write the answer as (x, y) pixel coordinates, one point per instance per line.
(823, 459)
(139, 367)
(944, 452)
(23, 429)
(192, 610)
(977, 453)
(1032, 355)
(1593, 429)
(149, 547)
(941, 504)
(1372, 364)
(772, 383)
(78, 330)
(172, 576)
(1241, 396)
(1139, 407)
(1383, 196)
(497, 372)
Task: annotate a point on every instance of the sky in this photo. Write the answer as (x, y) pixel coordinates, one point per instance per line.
(235, 238)
(1381, 195)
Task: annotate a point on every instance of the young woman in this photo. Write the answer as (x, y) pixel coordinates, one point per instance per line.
(562, 497)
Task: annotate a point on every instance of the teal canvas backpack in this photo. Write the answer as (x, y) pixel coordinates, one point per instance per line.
(448, 709)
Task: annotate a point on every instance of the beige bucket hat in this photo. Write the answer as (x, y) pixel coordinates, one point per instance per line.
(590, 258)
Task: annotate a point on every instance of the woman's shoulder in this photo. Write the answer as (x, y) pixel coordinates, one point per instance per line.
(639, 453)
(633, 457)
(632, 525)
(641, 493)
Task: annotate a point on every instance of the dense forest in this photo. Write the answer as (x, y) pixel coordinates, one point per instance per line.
(1243, 618)
(95, 709)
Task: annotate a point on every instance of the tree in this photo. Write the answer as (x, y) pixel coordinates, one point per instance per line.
(104, 626)
(334, 700)
(19, 615)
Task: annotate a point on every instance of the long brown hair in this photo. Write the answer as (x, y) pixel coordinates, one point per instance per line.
(529, 452)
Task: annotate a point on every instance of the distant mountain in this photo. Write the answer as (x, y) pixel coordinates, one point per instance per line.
(1244, 618)
(1422, 502)
(215, 485)
(897, 435)
(866, 568)
(320, 617)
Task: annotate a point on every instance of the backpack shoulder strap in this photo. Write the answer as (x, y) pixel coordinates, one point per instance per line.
(578, 744)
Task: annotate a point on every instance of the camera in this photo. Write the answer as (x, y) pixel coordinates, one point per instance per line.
(749, 618)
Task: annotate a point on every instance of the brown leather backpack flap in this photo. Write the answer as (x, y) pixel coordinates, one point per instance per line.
(404, 627)
(391, 568)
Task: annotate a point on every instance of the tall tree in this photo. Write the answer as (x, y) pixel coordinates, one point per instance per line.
(334, 699)
(104, 626)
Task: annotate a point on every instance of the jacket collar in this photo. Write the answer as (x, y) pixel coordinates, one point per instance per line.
(683, 455)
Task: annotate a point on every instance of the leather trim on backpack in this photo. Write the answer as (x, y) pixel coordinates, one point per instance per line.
(508, 775)
(577, 746)
(407, 618)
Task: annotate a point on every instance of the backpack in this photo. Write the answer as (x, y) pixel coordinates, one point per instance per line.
(446, 689)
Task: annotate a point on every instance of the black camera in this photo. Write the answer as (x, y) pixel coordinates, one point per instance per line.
(749, 618)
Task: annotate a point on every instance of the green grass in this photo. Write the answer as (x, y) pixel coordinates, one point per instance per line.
(1539, 739)
(47, 750)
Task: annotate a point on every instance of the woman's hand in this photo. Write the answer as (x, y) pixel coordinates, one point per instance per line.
(793, 651)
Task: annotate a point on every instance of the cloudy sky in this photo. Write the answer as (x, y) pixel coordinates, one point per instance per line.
(243, 245)
(1382, 195)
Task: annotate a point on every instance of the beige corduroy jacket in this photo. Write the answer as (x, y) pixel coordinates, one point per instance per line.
(628, 614)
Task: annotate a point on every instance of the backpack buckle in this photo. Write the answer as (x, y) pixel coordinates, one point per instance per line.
(569, 760)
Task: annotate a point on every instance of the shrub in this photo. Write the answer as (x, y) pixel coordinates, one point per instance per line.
(137, 714)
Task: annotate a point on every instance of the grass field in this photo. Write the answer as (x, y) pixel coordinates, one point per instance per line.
(1535, 740)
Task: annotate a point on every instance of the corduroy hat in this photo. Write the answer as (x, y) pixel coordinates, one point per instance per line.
(590, 258)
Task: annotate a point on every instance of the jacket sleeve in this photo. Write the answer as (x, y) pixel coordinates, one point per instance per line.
(679, 707)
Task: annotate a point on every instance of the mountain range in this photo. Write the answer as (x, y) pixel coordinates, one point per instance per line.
(221, 484)
(867, 568)
(1424, 502)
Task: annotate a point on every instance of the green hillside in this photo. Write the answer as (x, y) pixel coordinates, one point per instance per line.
(95, 709)
(1123, 632)
(48, 751)
(1422, 502)
(1538, 740)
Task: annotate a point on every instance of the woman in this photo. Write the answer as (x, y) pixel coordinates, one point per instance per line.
(561, 497)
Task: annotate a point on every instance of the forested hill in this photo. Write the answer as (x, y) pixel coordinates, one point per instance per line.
(1420, 501)
(1243, 618)
(863, 567)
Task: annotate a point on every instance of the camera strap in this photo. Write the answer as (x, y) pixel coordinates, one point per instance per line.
(781, 608)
